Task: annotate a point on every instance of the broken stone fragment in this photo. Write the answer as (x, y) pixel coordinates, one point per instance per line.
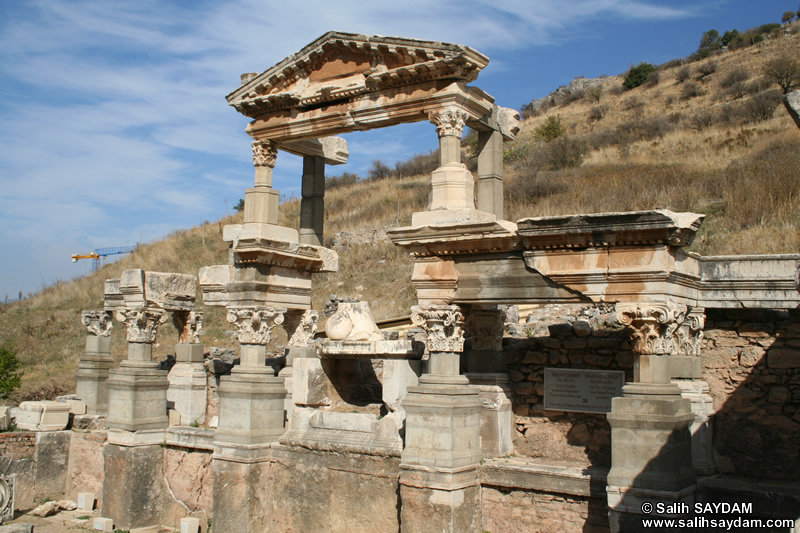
(46, 509)
(173, 292)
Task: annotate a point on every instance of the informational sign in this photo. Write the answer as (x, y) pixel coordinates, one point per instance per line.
(581, 391)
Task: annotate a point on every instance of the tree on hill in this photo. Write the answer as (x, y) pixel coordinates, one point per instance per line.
(729, 36)
(788, 16)
(783, 70)
(638, 75)
(551, 129)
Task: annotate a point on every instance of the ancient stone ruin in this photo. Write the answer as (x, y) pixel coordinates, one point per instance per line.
(358, 429)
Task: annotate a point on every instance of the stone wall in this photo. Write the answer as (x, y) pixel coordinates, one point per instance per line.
(86, 464)
(564, 337)
(752, 366)
(521, 511)
(751, 363)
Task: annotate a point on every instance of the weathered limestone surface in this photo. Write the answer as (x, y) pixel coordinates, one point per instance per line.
(43, 415)
(168, 291)
(242, 494)
(190, 478)
(52, 462)
(86, 470)
(317, 491)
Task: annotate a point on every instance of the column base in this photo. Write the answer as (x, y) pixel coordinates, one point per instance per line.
(439, 501)
(92, 378)
(496, 416)
(187, 391)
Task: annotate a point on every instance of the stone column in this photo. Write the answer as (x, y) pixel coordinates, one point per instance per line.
(651, 448)
(251, 397)
(452, 195)
(303, 326)
(686, 370)
(439, 484)
(251, 418)
(486, 368)
(490, 172)
(93, 367)
(187, 379)
(137, 390)
(261, 202)
(312, 205)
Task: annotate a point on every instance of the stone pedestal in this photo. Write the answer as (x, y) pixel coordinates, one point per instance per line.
(650, 452)
(137, 397)
(92, 374)
(134, 492)
(137, 392)
(496, 416)
(188, 384)
(702, 408)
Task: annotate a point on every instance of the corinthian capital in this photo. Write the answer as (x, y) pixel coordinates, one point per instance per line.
(255, 323)
(189, 325)
(443, 325)
(485, 327)
(264, 153)
(449, 121)
(304, 334)
(98, 323)
(142, 324)
(663, 328)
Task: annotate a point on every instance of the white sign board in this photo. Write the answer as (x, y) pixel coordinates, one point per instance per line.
(581, 391)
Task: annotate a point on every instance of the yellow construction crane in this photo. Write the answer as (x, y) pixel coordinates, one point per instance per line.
(97, 254)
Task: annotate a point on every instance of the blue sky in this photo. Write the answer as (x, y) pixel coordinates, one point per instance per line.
(114, 127)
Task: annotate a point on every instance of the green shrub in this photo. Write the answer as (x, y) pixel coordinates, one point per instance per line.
(551, 129)
(9, 377)
(638, 75)
(652, 79)
(346, 178)
(565, 152)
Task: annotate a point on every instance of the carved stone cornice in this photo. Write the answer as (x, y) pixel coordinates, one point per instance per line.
(189, 325)
(265, 153)
(303, 336)
(449, 121)
(255, 323)
(99, 323)
(663, 328)
(485, 327)
(142, 324)
(443, 325)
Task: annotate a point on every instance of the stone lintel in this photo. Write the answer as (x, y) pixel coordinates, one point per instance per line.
(383, 349)
(638, 228)
(467, 232)
(168, 291)
(439, 478)
(750, 281)
(574, 481)
(332, 149)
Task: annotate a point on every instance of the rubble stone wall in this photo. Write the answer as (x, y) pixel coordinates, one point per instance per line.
(752, 366)
(751, 362)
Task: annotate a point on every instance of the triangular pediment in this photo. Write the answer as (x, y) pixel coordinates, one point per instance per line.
(340, 66)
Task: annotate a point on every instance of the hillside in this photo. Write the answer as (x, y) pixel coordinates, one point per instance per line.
(726, 150)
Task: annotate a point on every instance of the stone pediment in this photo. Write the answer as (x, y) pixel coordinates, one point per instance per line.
(339, 66)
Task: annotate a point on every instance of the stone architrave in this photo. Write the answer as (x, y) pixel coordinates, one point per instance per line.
(96, 362)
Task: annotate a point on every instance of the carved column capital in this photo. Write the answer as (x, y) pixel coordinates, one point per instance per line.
(142, 324)
(443, 325)
(255, 323)
(449, 121)
(303, 336)
(663, 328)
(99, 323)
(265, 153)
(189, 325)
(485, 327)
